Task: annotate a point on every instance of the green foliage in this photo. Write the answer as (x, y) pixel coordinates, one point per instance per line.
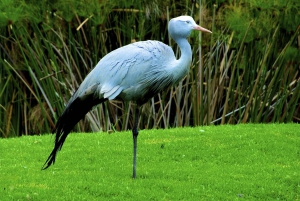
(246, 71)
(263, 17)
(12, 11)
(247, 161)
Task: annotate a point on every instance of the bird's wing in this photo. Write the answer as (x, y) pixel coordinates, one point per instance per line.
(127, 70)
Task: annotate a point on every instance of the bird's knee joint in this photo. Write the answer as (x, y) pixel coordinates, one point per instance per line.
(135, 132)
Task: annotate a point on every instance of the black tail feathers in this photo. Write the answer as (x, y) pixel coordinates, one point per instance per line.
(73, 113)
(59, 141)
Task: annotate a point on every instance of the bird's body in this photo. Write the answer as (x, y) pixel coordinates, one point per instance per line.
(137, 76)
(135, 72)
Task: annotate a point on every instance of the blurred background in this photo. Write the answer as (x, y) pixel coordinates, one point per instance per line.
(247, 71)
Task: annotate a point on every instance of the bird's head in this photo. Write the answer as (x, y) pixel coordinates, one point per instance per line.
(181, 27)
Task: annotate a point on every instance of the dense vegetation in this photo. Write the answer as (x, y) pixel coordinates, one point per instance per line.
(246, 71)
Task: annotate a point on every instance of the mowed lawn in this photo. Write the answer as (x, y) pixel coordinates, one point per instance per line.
(230, 162)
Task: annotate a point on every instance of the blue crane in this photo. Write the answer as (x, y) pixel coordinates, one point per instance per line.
(135, 72)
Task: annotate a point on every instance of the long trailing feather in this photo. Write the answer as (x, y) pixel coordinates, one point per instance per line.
(73, 113)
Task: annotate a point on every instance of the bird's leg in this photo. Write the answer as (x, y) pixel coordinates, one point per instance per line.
(135, 133)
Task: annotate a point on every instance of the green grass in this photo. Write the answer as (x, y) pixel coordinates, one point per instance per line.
(249, 162)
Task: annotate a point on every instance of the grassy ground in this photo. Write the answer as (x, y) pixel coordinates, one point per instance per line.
(250, 162)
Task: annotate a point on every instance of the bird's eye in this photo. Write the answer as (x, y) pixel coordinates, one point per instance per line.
(187, 22)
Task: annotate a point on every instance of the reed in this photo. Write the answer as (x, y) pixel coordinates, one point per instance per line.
(236, 76)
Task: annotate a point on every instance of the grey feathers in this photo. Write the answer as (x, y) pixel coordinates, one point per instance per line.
(131, 72)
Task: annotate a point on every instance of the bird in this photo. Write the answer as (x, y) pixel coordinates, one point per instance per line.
(135, 72)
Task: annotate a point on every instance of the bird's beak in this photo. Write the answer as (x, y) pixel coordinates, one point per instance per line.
(199, 28)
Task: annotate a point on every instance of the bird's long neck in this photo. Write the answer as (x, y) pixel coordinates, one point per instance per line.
(182, 65)
(186, 52)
